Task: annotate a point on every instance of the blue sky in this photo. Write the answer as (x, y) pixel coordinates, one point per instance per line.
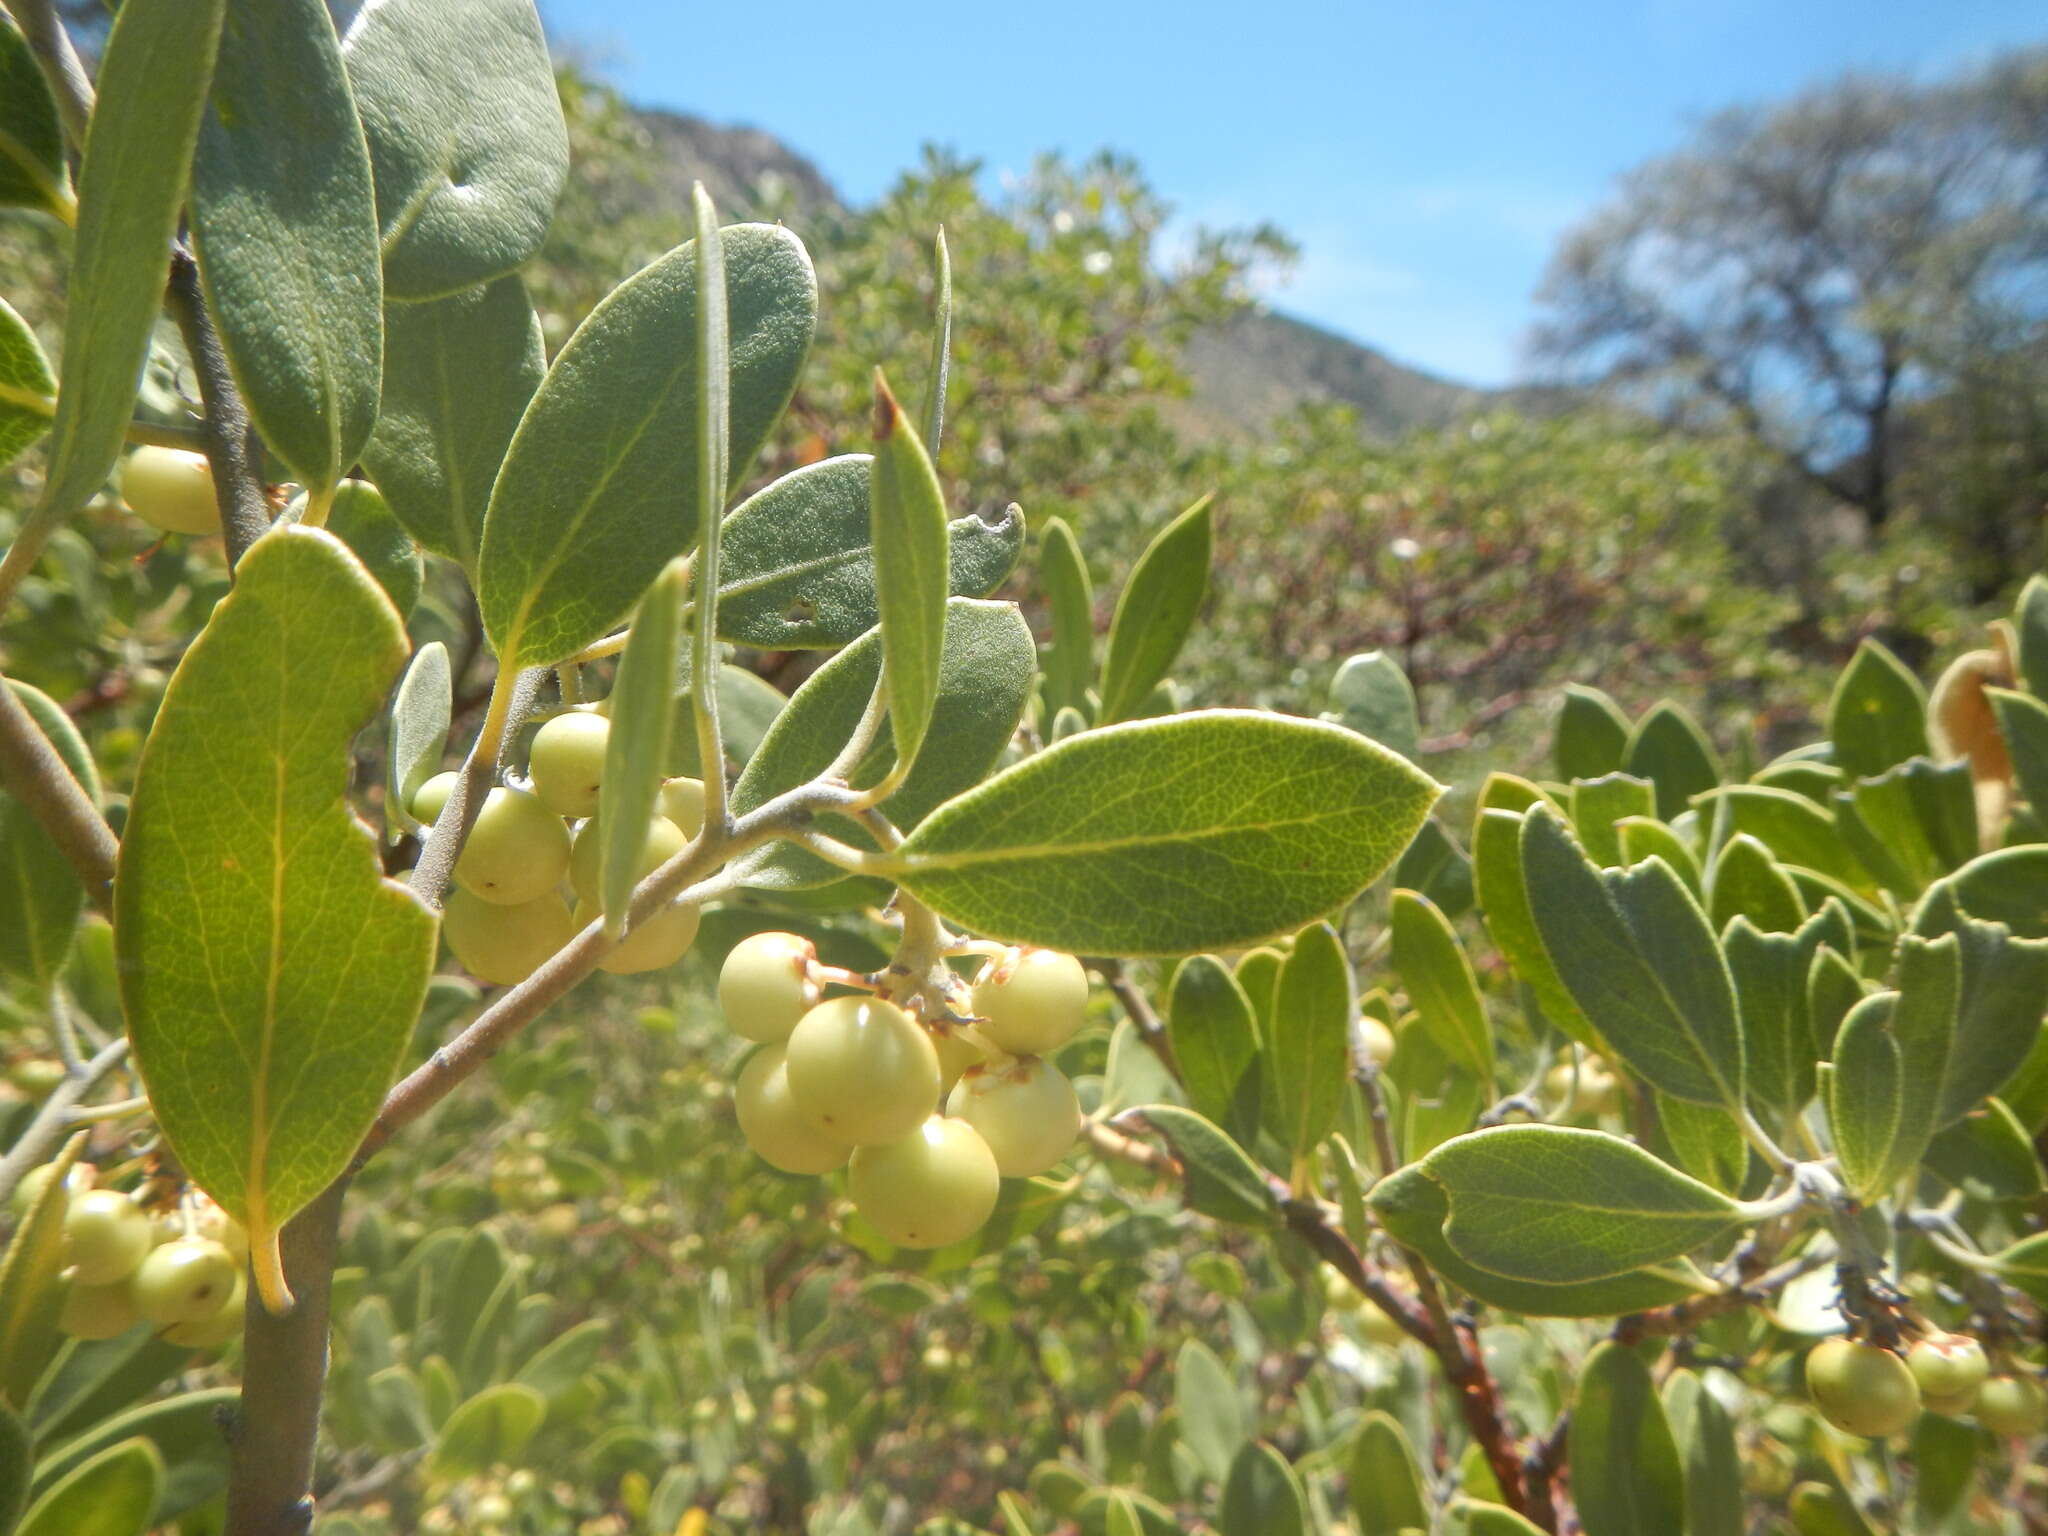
(1425, 153)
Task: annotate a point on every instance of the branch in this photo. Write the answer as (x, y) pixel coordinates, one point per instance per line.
(34, 774)
(512, 696)
(51, 45)
(1138, 1008)
(54, 1119)
(232, 449)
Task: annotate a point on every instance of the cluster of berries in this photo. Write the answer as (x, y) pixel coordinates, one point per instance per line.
(1866, 1389)
(507, 912)
(926, 1115)
(179, 1270)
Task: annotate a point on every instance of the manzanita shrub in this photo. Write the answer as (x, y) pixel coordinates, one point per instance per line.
(1660, 1069)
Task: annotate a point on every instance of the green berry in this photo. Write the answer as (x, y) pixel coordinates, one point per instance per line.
(212, 1332)
(37, 1076)
(566, 762)
(932, 1187)
(430, 798)
(98, 1311)
(1949, 1367)
(186, 1281)
(682, 802)
(1862, 1389)
(764, 987)
(957, 1053)
(1375, 1040)
(780, 1134)
(863, 1070)
(503, 945)
(106, 1235)
(517, 850)
(586, 860)
(2012, 1405)
(1033, 1005)
(653, 946)
(1026, 1112)
(37, 1179)
(171, 489)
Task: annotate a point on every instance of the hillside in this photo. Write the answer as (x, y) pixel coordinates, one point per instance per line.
(1245, 373)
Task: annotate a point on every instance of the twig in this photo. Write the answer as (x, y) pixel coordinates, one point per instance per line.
(1463, 1365)
(51, 45)
(32, 772)
(512, 696)
(1138, 1007)
(53, 1120)
(232, 449)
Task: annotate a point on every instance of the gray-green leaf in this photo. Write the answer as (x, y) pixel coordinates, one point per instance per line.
(1440, 983)
(1592, 734)
(284, 222)
(1063, 574)
(1213, 1417)
(1215, 1039)
(41, 895)
(1878, 715)
(468, 173)
(1155, 611)
(458, 374)
(1668, 748)
(32, 169)
(637, 747)
(1626, 1477)
(598, 489)
(1213, 829)
(797, 567)
(1310, 1052)
(421, 711)
(1559, 1205)
(27, 387)
(907, 516)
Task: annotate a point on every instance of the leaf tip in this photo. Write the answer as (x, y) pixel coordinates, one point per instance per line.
(887, 411)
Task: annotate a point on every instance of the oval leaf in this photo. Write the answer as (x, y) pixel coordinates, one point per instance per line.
(467, 176)
(1222, 1182)
(1207, 830)
(420, 714)
(797, 567)
(1215, 1039)
(458, 373)
(1372, 695)
(490, 1429)
(1155, 612)
(284, 223)
(598, 490)
(27, 387)
(1877, 717)
(1440, 983)
(271, 977)
(1592, 734)
(637, 747)
(1063, 576)
(31, 1290)
(114, 1494)
(1310, 1052)
(1386, 1480)
(1625, 1473)
(1668, 748)
(1263, 1496)
(1213, 1418)
(1558, 1205)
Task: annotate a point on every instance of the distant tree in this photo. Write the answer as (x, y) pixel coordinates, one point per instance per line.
(1819, 272)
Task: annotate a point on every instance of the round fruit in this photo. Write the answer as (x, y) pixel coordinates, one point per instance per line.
(1036, 1007)
(1027, 1113)
(1375, 1040)
(1591, 1090)
(186, 1281)
(171, 489)
(764, 987)
(1861, 1389)
(98, 1311)
(1339, 1294)
(863, 1070)
(212, 1332)
(933, 1187)
(504, 945)
(1949, 1367)
(430, 797)
(106, 1235)
(956, 1054)
(36, 1180)
(38, 1076)
(1379, 1327)
(586, 860)
(654, 945)
(682, 802)
(2012, 1405)
(209, 1220)
(774, 1127)
(566, 762)
(517, 850)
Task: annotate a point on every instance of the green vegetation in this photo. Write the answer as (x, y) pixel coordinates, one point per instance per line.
(646, 952)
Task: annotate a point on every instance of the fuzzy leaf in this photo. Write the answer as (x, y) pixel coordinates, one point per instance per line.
(598, 490)
(1372, 695)
(1213, 829)
(458, 373)
(1432, 966)
(270, 974)
(797, 567)
(152, 86)
(1626, 1476)
(1557, 1205)
(1063, 575)
(1214, 1420)
(27, 387)
(467, 176)
(637, 746)
(1668, 748)
(1215, 1039)
(1222, 1182)
(1155, 611)
(1309, 1054)
(116, 1493)
(421, 711)
(1592, 734)
(1878, 715)
(907, 516)
(284, 223)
